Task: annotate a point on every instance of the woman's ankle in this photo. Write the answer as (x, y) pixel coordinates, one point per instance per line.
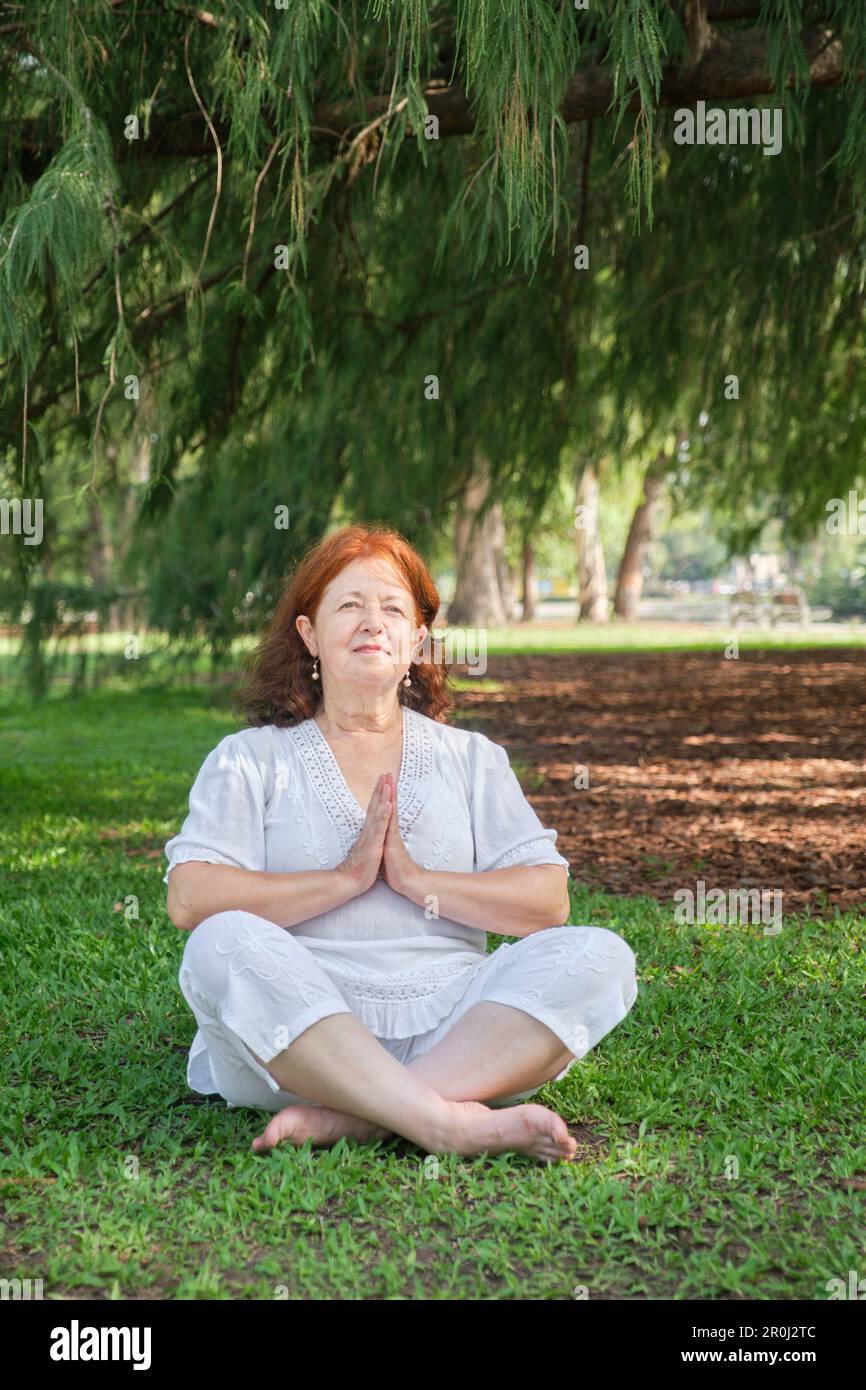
(448, 1128)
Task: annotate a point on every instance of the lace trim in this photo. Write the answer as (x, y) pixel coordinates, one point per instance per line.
(518, 852)
(404, 984)
(342, 808)
(417, 765)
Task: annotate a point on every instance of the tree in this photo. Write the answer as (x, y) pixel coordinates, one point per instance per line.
(592, 602)
(629, 583)
(479, 600)
(261, 282)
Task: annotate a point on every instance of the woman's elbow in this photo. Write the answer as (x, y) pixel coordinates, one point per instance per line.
(179, 913)
(177, 916)
(562, 911)
(560, 918)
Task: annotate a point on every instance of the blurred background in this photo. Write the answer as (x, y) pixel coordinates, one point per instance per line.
(255, 282)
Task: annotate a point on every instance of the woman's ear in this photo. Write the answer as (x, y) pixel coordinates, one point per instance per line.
(305, 628)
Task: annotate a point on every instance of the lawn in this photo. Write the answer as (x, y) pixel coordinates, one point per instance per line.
(720, 1126)
(121, 659)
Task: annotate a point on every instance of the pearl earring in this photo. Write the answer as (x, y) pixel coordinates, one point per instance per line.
(406, 680)
(315, 668)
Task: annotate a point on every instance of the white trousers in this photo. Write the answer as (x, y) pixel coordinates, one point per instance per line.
(253, 987)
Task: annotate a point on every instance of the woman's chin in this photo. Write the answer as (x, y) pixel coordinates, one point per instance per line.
(370, 679)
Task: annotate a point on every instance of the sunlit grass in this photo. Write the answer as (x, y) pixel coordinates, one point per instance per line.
(152, 658)
(718, 1124)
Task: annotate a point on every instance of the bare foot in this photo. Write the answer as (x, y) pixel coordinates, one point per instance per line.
(528, 1129)
(297, 1123)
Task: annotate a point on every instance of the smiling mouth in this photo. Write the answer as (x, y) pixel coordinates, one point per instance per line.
(368, 647)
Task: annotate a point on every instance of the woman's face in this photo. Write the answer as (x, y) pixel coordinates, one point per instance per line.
(365, 633)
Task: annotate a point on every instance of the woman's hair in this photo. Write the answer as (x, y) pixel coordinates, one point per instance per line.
(278, 687)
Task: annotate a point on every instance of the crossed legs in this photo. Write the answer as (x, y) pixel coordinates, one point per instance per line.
(363, 1092)
(245, 973)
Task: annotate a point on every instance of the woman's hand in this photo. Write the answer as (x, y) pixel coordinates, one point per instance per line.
(363, 862)
(401, 872)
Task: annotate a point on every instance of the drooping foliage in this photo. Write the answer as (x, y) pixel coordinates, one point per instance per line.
(237, 274)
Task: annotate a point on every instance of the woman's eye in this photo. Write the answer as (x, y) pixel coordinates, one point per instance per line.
(353, 603)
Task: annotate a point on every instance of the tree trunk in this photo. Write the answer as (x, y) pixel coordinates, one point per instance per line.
(591, 577)
(629, 582)
(529, 583)
(477, 600)
(139, 475)
(503, 571)
(793, 562)
(100, 558)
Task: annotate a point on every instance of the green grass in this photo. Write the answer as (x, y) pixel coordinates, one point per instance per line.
(121, 665)
(661, 637)
(116, 1181)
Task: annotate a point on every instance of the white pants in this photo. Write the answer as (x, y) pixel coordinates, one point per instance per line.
(259, 996)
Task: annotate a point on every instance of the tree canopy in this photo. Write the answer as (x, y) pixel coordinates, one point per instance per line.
(324, 257)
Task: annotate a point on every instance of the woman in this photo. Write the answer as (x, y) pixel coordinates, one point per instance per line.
(341, 863)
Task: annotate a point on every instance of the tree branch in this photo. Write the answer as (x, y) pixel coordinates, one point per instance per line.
(734, 65)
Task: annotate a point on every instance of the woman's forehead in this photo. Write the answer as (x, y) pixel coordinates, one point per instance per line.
(369, 575)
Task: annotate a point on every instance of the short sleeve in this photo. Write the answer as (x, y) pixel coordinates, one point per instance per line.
(505, 827)
(225, 824)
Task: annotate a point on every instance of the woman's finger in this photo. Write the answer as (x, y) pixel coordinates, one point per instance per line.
(376, 796)
(377, 799)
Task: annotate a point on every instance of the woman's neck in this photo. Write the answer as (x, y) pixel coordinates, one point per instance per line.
(340, 716)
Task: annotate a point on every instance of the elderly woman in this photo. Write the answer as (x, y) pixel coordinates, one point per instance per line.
(340, 866)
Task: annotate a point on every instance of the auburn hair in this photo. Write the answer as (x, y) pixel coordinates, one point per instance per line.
(279, 688)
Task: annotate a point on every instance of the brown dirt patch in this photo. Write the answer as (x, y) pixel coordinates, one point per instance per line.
(746, 773)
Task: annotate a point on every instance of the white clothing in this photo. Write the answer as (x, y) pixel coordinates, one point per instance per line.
(275, 799)
(254, 987)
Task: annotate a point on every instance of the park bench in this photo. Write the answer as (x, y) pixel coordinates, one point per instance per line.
(789, 606)
(746, 604)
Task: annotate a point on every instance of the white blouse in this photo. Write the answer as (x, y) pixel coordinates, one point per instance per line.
(275, 799)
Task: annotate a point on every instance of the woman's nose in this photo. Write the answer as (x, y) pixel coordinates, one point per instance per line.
(372, 618)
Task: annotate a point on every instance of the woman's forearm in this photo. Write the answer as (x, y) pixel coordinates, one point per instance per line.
(513, 902)
(197, 890)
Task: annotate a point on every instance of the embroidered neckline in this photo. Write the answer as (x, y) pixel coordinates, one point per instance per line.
(340, 803)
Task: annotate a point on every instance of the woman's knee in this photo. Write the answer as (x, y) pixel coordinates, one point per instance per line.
(210, 931)
(619, 962)
(588, 953)
(617, 950)
(222, 938)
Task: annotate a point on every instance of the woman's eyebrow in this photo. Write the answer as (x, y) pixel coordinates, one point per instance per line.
(356, 593)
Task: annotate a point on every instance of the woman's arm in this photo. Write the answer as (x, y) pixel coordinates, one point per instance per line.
(514, 902)
(197, 890)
